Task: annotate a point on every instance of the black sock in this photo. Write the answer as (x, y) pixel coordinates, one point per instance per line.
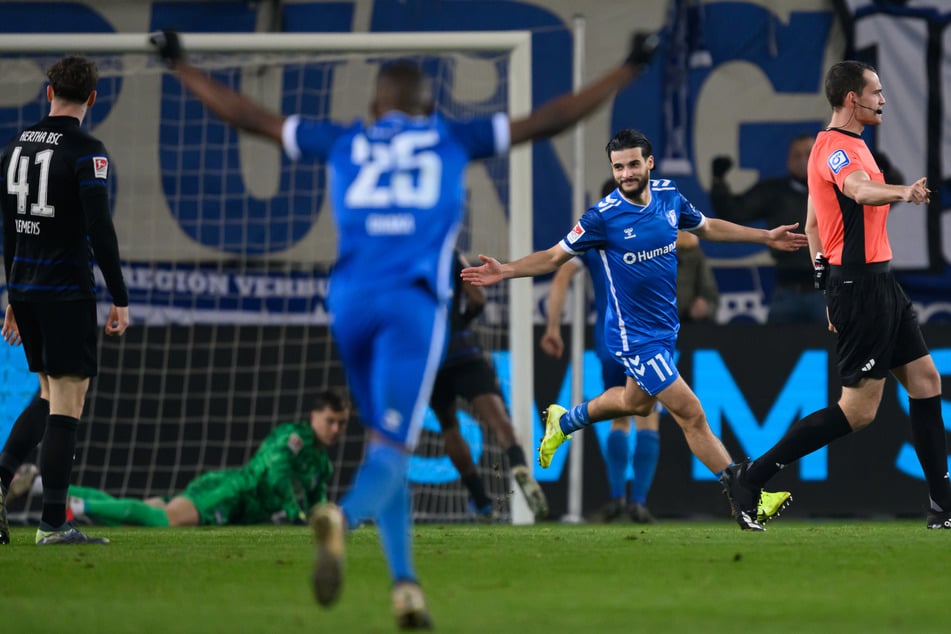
(516, 456)
(26, 434)
(928, 436)
(804, 436)
(56, 465)
(476, 490)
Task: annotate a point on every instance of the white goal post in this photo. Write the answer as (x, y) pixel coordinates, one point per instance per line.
(515, 44)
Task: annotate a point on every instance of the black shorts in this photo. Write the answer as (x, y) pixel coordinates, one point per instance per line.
(464, 379)
(877, 326)
(59, 338)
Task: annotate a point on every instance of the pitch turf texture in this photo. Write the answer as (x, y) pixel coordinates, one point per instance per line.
(671, 577)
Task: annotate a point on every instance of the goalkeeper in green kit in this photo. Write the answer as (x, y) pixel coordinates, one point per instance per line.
(287, 475)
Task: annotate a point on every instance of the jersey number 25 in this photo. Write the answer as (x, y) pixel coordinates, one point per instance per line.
(413, 168)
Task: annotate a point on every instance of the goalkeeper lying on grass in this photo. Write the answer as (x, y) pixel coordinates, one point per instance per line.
(286, 476)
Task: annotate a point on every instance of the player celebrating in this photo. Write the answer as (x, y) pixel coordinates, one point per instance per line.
(635, 232)
(875, 324)
(287, 475)
(647, 437)
(465, 373)
(55, 206)
(397, 197)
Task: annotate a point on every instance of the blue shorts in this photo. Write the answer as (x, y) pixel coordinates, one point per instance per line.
(612, 371)
(391, 344)
(652, 366)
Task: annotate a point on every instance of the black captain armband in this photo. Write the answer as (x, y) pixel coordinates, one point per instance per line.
(820, 275)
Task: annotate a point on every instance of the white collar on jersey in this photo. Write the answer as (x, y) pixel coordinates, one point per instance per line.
(636, 204)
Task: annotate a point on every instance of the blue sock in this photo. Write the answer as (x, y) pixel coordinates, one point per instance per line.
(395, 523)
(646, 454)
(575, 418)
(616, 456)
(382, 473)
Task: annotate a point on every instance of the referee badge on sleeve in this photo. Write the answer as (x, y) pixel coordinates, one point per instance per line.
(100, 166)
(837, 160)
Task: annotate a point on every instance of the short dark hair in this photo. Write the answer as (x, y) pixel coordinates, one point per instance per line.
(73, 78)
(409, 88)
(843, 78)
(628, 139)
(608, 186)
(335, 398)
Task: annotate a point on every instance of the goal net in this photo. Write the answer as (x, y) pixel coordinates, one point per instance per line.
(227, 245)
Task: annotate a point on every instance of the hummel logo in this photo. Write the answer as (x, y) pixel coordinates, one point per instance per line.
(868, 366)
(629, 233)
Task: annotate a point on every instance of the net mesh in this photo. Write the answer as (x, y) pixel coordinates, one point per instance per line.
(226, 248)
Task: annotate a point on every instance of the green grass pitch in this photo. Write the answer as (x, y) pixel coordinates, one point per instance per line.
(671, 577)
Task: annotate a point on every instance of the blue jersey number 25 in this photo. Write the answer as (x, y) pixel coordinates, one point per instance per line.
(403, 172)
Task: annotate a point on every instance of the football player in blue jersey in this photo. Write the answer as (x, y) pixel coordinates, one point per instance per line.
(634, 232)
(617, 453)
(396, 190)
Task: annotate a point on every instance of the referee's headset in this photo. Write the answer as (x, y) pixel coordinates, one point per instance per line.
(855, 102)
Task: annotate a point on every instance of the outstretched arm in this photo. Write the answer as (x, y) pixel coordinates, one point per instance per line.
(231, 107)
(493, 272)
(780, 238)
(862, 189)
(552, 343)
(563, 112)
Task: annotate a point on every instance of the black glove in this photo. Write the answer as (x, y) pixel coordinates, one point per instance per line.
(169, 46)
(721, 165)
(643, 46)
(820, 277)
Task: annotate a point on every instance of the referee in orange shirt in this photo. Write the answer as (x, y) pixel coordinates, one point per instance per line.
(877, 328)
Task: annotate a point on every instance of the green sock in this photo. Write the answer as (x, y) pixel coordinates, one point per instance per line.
(88, 493)
(126, 511)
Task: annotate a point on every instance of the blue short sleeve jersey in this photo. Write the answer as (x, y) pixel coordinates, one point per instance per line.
(396, 188)
(397, 192)
(633, 247)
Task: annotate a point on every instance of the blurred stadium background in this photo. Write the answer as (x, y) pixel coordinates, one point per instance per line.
(227, 244)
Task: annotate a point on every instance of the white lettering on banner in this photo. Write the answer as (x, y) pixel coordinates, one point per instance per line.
(260, 286)
(222, 284)
(195, 282)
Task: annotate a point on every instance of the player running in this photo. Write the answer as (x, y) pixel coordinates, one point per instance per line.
(634, 230)
(466, 373)
(397, 194)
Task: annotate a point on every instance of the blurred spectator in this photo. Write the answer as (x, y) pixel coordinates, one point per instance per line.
(696, 287)
(776, 201)
(892, 175)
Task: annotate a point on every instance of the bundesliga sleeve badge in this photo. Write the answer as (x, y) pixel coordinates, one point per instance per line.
(100, 166)
(837, 160)
(575, 233)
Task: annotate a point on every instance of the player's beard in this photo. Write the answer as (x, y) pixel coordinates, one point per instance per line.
(636, 191)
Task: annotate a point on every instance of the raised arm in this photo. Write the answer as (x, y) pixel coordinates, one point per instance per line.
(231, 107)
(552, 343)
(780, 238)
(564, 111)
(493, 272)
